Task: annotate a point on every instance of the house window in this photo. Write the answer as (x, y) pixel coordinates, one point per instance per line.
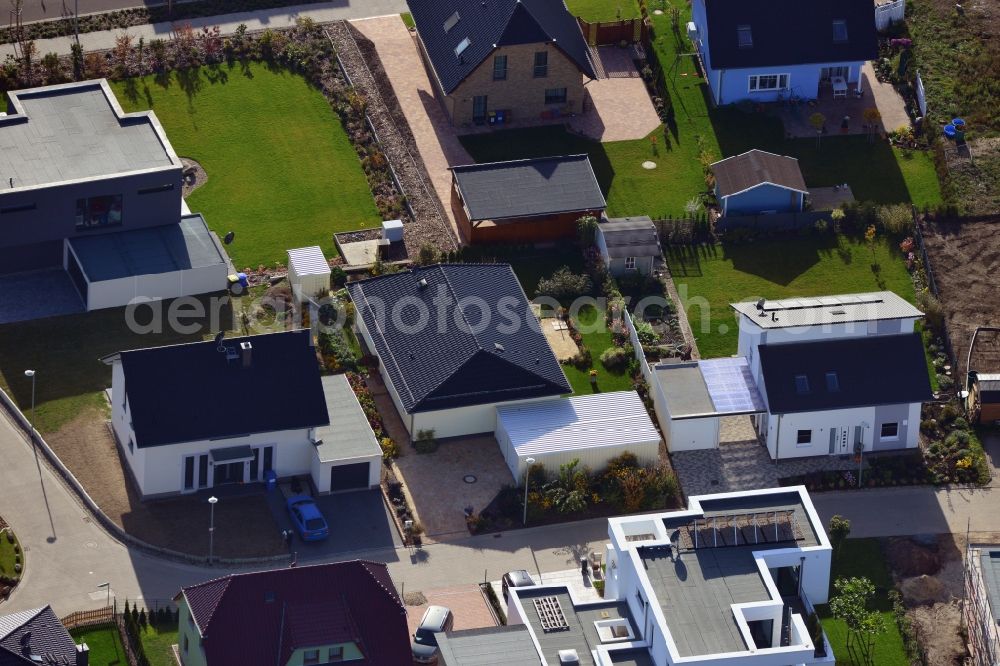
(131, 445)
(766, 82)
(310, 657)
(801, 384)
(555, 96)
(460, 49)
(541, 64)
(804, 438)
(630, 263)
(840, 31)
(155, 190)
(832, 382)
(744, 36)
(828, 73)
(479, 109)
(103, 211)
(889, 431)
(500, 68)
(17, 209)
(337, 653)
(188, 472)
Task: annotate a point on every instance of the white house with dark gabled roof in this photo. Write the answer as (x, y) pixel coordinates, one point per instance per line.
(454, 342)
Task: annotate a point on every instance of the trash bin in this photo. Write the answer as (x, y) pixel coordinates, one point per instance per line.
(271, 479)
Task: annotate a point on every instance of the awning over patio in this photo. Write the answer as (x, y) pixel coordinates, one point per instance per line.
(231, 454)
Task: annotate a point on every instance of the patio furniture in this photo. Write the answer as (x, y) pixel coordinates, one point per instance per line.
(839, 86)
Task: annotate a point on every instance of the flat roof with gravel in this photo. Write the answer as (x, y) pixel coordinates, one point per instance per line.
(76, 131)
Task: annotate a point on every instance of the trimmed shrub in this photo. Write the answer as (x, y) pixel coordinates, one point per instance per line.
(564, 283)
(615, 358)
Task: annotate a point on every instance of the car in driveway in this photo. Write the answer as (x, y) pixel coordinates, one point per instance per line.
(306, 516)
(436, 619)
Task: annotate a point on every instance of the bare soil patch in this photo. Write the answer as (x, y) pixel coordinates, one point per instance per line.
(244, 526)
(194, 176)
(965, 258)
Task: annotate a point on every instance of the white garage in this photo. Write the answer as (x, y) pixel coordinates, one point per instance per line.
(110, 270)
(308, 272)
(347, 456)
(589, 428)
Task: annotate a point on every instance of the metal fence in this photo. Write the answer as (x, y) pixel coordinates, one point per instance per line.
(918, 87)
(888, 13)
(772, 222)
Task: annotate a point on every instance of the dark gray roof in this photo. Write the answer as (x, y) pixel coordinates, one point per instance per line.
(756, 167)
(454, 360)
(488, 25)
(529, 188)
(163, 249)
(871, 370)
(75, 131)
(349, 434)
(630, 237)
(189, 392)
(47, 638)
(789, 32)
(510, 646)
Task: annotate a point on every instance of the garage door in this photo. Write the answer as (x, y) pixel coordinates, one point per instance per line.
(349, 477)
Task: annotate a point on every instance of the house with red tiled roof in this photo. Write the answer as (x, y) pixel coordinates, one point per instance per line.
(327, 613)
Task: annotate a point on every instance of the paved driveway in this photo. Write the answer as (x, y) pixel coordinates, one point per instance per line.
(37, 294)
(358, 521)
(465, 601)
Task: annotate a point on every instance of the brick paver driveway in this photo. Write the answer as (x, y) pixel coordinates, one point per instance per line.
(435, 138)
(465, 601)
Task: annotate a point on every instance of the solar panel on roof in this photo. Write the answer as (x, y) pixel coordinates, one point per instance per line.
(731, 386)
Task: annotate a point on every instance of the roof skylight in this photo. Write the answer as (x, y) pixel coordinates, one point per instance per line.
(462, 45)
(744, 36)
(452, 22)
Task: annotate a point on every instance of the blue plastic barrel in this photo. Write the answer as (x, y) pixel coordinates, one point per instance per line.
(242, 277)
(949, 131)
(271, 479)
(958, 123)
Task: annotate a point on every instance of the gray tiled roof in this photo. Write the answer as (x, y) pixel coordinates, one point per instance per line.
(529, 188)
(348, 435)
(630, 237)
(453, 360)
(756, 167)
(818, 310)
(488, 25)
(76, 131)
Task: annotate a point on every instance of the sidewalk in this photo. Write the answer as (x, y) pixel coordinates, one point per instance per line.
(280, 17)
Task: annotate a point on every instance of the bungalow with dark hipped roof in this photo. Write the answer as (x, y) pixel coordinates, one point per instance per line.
(525, 201)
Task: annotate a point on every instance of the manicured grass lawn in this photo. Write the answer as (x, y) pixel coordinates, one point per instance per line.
(7, 557)
(66, 352)
(281, 170)
(710, 277)
(596, 11)
(157, 644)
(863, 557)
(597, 342)
(104, 643)
(530, 267)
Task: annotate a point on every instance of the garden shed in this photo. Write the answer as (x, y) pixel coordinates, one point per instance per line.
(308, 272)
(589, 428)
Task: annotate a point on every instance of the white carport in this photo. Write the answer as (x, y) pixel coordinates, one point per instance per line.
(347, 457)
(589, 428)
(690, 397)
(308, 272)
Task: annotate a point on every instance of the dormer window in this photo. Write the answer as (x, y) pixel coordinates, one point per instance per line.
(801, 384)
(462, 45)
(840, 31)
(744, 36)
(832, 382)
(451, 22)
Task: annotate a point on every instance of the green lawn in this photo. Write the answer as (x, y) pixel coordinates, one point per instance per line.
(863, 557)
(281, 170)
(710, 277)
(7, 557)
(104, 643)
(66, 352)
(407, 19)
(157, 645)
(596, 11)
(597, 342)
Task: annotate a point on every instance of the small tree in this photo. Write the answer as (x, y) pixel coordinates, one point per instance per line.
(586, 230)
(818, 122)
(863, 625)
(871, 116)
(143, 620)
(568, 491)
(840, 528)
(428, 255)
(870, 239)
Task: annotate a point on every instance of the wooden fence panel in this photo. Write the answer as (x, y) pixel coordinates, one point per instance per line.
(609, 33)
(89, 618)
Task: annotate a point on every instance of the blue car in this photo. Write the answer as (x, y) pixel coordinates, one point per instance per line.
(309, 522)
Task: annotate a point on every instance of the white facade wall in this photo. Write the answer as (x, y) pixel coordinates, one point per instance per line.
(321, 470)
(693, 434)
(842, 422)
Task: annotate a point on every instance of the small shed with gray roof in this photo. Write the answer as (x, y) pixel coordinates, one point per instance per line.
(758, 182)
(348, 456)
(629, 244)
(525, 201)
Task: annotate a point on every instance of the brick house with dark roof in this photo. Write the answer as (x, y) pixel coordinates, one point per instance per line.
(38, 638)
(491, 62)
(344, 611)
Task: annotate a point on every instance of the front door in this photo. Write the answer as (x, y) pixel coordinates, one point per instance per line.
(844, 441)
(479, 109)
(229, 473)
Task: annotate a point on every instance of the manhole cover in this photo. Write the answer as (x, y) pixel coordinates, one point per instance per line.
(91, 545)
(469, 478)
(649, 164)
(658, 12)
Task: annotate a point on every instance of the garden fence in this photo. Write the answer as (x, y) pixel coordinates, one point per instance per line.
(614, 32)
(89, 618)
(918, 86)
(932, 284)
(772, 222)
(888, 13)
(673, 231)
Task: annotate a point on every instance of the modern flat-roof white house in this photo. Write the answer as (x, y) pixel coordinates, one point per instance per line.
(96, 192)
(981, 609)
(195, 416)
(832, 375)
(731, 580)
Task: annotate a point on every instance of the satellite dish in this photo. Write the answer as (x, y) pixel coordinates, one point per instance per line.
(229, 237)
(760, 304)
(219, 338)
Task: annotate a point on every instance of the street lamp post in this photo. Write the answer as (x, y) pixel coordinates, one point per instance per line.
(527, 476)
(108, 586)
(861, 451)
(30, 374)
(76, 20)
(212, 501)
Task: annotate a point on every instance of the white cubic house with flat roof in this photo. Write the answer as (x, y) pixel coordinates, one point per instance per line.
(731, 581)
(833, 375)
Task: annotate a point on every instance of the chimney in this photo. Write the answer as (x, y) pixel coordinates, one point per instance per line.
(82, 655)
(246, 353)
